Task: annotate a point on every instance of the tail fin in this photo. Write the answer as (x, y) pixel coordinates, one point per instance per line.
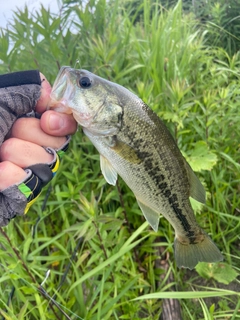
(188, 255)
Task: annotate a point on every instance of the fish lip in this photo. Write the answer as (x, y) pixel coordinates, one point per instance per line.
(62, 69)
(57, 81)
(61, 84)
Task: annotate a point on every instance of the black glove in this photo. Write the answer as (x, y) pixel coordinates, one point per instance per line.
(19, 93)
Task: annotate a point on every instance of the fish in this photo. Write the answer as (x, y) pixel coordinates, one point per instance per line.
(134, 143)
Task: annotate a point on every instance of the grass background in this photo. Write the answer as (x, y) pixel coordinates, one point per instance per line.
(105, 262)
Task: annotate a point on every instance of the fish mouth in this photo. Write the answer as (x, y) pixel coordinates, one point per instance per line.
(62, 99)
(62, 92)
(60, 82)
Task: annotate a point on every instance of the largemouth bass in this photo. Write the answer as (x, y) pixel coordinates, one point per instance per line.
(134, 143)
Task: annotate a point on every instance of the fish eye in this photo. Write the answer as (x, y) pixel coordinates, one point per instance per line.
(85, 82)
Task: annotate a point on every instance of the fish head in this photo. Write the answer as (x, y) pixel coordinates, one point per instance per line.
(94, 102)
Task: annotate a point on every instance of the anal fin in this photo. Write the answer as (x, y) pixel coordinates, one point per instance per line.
(150, 215)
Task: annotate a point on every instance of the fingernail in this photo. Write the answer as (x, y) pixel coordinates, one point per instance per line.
(55, 122)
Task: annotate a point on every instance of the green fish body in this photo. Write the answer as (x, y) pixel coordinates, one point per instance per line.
(134, 143)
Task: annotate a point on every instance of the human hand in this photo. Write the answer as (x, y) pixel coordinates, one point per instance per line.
(22, 148)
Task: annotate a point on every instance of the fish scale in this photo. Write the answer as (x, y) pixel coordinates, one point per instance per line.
(164, 179)
(134, 143)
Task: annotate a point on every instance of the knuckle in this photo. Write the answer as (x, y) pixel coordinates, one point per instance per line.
(7, 149)
(22, 126)
(5, 166)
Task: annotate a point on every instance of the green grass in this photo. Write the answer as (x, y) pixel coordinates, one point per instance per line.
(102, 256)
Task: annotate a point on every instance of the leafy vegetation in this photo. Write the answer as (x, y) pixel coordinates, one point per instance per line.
(105, 262)
(220, 18)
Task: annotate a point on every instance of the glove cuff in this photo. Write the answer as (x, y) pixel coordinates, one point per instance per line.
(17, 199)
(38, 176)
(41, 174)
(20, 78)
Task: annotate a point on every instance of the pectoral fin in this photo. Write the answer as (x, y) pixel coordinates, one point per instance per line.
(197, 190)
(109, 173)
(150, 215)
(126, 152)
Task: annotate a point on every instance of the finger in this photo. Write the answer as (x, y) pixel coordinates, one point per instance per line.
(23, 153)
(44, 99)
(29, 129)
(10, 174)
(58, 124)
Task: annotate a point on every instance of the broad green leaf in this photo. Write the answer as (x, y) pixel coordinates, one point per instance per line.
(173, 117)
(222, 272)
(201, 158)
